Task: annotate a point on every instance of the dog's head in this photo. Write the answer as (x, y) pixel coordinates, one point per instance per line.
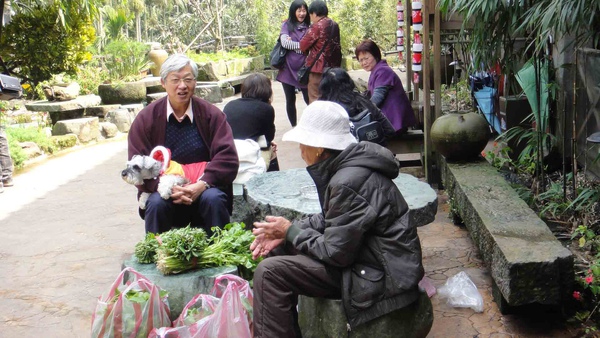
(141, 168)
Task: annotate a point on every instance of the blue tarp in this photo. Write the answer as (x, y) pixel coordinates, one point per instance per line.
(485, 102)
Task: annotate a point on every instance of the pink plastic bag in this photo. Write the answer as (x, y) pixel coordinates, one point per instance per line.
(230, 319)
(199, 307)
(130, 310)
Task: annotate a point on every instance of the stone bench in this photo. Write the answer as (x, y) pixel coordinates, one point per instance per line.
(181, 287)
(64, 110)
(319, 317)
(528, 265)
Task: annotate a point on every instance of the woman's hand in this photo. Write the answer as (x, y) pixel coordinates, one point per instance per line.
(269, 235)
(187, 194)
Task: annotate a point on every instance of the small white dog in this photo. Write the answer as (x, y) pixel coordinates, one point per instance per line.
(159, 165)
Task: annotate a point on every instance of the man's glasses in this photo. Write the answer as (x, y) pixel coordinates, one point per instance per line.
(175, 81)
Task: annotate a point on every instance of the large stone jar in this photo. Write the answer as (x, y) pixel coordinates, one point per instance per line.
(158, 57)
(460, 136)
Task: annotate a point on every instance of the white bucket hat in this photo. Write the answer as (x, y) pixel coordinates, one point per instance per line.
(323, 124)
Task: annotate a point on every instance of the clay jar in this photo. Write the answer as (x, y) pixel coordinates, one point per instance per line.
(158, 57)
(460, 136)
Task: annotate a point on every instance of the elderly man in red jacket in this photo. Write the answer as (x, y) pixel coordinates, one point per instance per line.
(194, 131)
(322, 43)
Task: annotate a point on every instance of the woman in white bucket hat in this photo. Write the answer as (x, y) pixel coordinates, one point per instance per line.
(361, 248)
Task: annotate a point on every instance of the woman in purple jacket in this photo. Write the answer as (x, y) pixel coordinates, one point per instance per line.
(385, 88)
(292, 30)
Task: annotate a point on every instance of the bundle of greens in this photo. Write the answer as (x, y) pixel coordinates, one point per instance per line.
(180, 249)
(183, 249)
(145, 250)
(229, 246)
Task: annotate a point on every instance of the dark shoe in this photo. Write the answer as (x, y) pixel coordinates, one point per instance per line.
(8, 182)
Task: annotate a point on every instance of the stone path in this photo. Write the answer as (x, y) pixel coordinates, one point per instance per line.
(69, 222)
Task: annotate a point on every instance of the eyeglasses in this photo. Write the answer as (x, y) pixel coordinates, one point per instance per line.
(175, 81)
(365, 59)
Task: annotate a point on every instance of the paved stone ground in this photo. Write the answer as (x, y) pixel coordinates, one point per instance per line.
(69, 222)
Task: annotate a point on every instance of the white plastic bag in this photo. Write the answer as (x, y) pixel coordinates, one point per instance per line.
(461, 292)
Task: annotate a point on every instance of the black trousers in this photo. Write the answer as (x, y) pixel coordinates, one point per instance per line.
(278, 280)
(290, 101)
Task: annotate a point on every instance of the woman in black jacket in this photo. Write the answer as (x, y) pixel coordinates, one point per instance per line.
(361, 248)
(337, 86)
(253, 116)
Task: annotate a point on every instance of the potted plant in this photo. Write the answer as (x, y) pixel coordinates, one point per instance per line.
(125, 63)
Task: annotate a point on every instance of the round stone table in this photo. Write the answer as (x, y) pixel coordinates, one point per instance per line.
(278, 193)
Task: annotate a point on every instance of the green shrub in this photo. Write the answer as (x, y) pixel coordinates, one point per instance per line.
(125, 60)
(31, 134)
(35, 45)
(64, 141)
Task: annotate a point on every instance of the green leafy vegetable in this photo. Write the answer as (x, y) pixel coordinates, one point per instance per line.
(180, 249)
(145, 250)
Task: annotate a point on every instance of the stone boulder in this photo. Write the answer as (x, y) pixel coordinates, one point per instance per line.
(101, 110)
(122, 118)
(61, 92)
(31, 149)
(108, 130)
(87, 128)
(123, 93)
(211, 93)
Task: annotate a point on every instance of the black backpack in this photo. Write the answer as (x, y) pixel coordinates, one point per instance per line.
(365, 128)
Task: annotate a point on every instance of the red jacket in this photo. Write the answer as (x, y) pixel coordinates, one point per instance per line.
(314, 39)
(148, 130)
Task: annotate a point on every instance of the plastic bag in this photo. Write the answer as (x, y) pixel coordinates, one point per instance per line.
(232, 316)
(130, 310)
(426, 285)
(199, 307)
(461, 292)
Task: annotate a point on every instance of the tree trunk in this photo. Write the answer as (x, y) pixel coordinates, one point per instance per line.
(138, 27)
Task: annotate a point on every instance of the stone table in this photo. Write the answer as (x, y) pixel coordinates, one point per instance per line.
(65, 110)
(278, 193)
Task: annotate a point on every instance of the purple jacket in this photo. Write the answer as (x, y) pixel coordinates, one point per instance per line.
(396, 106)
(293, 60)
(148, 130)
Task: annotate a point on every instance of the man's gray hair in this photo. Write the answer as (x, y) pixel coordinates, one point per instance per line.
(175, 63)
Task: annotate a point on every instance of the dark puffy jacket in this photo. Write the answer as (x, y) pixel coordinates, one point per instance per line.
(363, 230)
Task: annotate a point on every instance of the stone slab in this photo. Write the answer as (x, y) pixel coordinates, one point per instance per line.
(80, 102)
(319, 317)
(527, 263)
(181, 287)
(278, 193)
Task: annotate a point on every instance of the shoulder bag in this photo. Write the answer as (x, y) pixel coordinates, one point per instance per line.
(278, 55)
(365, 128)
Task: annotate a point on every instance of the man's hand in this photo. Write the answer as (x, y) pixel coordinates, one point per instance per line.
(188, 193)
